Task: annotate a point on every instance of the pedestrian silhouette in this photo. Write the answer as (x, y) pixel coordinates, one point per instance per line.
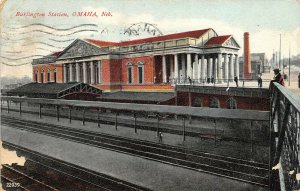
(190, 80)
(236, 81)
(160, 135)
(278, 77)
(259, 81)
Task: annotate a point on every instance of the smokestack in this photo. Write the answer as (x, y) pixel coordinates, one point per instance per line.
(247, 58)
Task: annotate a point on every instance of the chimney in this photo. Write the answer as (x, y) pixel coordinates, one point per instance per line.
(247, 61)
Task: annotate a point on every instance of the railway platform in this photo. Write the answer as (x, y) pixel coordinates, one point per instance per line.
(229, 148)
(151, 174)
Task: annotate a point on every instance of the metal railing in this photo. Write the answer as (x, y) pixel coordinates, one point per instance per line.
(284, 139)
(220, 82)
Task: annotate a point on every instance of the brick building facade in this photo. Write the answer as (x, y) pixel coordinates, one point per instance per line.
(150, 64)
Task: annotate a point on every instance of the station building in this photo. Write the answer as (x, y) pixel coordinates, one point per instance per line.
(149, 64)
(155, 70)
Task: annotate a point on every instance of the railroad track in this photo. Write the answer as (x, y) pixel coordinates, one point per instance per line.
(145, 125)
(242, 170)
(110, 120)
(61, 175)
(14, 179)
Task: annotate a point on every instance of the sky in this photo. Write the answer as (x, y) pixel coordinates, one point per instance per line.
(24, 38)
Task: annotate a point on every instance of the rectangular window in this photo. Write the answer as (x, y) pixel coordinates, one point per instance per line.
(42, 77)
(67, 74)
(48, 77)
(99, 72)
(129, 75)
(36, 77)
(55, 77)
(141, 74)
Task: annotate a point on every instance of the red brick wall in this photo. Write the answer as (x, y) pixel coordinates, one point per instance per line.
(252, 103)
(148, 69)
(45, 68)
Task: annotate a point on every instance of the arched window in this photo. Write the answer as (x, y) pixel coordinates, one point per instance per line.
(130, 73)
(197, 102)
(214, 103)
(48, 75)
(54, 75)
(42, 76)
(141, 72)
(36, 73)
(231, 103)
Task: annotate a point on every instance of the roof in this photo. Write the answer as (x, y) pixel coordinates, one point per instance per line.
(204, 112)
(101, 43)
(218, 40)
(138, 96)
(191, 34)
(55, 54)
(43, 88)
(55, 90)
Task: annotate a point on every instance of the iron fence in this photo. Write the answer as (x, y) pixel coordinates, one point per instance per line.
(284, 139)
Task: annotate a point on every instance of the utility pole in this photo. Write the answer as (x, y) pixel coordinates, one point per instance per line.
(290, 65)
(280, 52)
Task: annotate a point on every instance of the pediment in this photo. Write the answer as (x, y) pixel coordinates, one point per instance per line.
(231, 42)
(81, 48)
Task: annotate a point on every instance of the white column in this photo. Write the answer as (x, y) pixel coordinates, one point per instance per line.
(164, 69)
(176, 67)
(183, 67)
(65, 73)
(171, 79)
(92, 72)
(195, 67)
(215, 66)
(71, 72)
(231, 68)
(84, 72)
(189, 65)
(199, 69)
(77, 72)
(237, 71)
(226, 67)
(209, 68)
(100, 71)
(219, 70)
(203, 68)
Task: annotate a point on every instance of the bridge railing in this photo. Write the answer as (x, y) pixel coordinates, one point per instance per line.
(244, 83)
(284, 139)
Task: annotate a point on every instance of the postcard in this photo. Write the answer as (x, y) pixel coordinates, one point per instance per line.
(150, 95)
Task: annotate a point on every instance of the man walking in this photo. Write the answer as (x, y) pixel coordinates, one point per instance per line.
(236, 81)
